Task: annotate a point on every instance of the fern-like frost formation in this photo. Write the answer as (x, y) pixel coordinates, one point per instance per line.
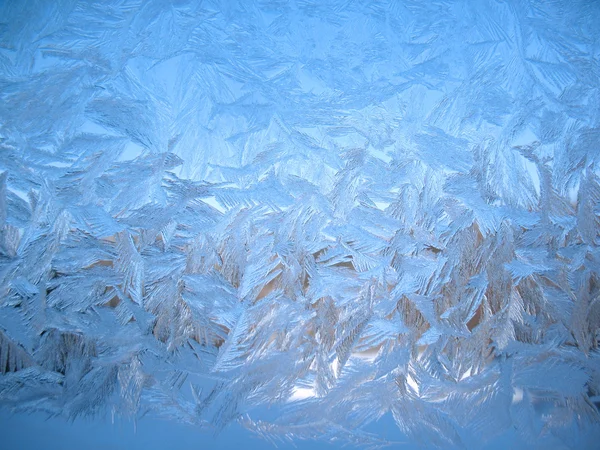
(344, 211)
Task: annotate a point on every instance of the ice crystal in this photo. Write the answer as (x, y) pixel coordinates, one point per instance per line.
(343, 210)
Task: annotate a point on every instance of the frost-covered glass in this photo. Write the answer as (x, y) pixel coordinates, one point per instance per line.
(344, 211)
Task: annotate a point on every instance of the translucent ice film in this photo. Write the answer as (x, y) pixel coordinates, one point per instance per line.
(304, 218)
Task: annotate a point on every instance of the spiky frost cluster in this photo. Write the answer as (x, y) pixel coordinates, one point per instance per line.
(343, 210)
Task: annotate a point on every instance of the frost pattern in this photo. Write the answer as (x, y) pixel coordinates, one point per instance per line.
(341, 209)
